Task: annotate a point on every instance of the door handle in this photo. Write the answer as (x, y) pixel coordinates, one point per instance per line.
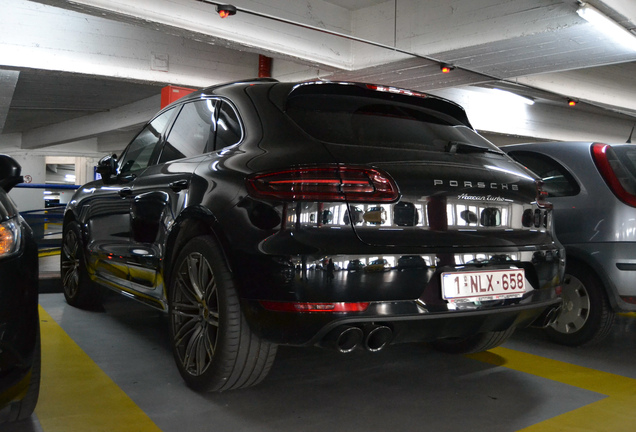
(179, 185)
(124, 192)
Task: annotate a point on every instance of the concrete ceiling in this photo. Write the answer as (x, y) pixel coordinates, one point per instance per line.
(90, 71)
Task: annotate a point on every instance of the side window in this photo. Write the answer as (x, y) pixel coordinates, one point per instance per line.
(139, 152)
(193, 131)
(229, 130)
(557, 180)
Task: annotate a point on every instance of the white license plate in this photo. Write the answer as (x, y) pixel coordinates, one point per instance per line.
(483, 285)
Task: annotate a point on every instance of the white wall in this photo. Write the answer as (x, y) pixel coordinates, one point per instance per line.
(33, 166)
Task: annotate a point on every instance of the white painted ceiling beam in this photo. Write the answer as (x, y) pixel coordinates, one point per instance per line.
(128, 116)
(421, 28)
(42, 37)
(604, 86)
(197, 20)
(490, 113)
(626, 8)
(498, 38)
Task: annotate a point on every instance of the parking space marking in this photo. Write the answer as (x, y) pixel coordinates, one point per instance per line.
(76, 395)
(613, 413)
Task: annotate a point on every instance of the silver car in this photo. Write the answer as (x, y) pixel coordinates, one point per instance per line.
(593, 189)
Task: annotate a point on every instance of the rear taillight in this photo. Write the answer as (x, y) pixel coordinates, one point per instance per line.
(277, 306)
(614, 173)
(325, 183)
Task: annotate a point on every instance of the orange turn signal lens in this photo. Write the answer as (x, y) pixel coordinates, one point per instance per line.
(8, 238)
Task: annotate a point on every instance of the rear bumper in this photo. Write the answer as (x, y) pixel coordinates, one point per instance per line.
(408, 320)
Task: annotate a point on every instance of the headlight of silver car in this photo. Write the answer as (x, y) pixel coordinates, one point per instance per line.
(9, 238)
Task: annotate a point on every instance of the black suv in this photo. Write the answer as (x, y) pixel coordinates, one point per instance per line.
(224, 208)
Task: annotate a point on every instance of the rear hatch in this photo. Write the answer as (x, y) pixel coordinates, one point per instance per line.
(456, 188)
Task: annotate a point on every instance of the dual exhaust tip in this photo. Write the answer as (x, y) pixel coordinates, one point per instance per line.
(374, 337)
(347, 338)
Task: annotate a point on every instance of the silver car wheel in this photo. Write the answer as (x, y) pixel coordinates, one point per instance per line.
(195, 314)
(576, 306)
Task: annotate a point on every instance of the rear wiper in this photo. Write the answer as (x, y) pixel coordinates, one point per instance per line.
(462, 147)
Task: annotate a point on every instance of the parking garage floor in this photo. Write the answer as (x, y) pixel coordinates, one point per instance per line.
(113, 371)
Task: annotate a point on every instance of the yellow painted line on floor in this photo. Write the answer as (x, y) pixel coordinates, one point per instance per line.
(615, 413)
(628, 314)
(48, 252)
(76, 395)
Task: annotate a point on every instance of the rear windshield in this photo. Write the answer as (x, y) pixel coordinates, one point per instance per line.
(626, 172)
(557, 180)
(627, 155)
(369, 121)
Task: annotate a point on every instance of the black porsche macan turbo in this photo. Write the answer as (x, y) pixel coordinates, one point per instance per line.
(237, 210)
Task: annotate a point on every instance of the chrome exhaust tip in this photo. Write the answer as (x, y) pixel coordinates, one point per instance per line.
(344, 339)
(377, 337)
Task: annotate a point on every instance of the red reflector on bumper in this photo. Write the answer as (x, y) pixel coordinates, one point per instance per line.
(629, 299)
(314, 307)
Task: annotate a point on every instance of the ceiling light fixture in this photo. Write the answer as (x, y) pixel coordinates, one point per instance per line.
(225, 10)
(572, 102)
(610, 27)
(446, 68)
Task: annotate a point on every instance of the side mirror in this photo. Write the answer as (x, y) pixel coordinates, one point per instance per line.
(107, 167)
(9, 173)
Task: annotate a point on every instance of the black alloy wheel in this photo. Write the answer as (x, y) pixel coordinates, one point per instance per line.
(78, 289)
(213, 345)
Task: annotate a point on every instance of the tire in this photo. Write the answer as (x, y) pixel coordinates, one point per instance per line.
(23, 409)
(76, 284)
(213, 346)
(473, 344)
(586, 317)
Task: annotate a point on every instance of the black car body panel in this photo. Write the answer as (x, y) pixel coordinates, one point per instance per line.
(19, 319)
(460, 204)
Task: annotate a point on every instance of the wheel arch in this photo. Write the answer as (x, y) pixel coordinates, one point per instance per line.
(576, 256)
(69, 216)
(191, 223)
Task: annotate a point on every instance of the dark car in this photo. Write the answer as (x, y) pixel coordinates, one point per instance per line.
(203, 211)
(411, 262)
(593, 189)
(355, 265)
(19, 321)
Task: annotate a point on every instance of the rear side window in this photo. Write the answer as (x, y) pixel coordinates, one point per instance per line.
(202, 126)
(557, 180)
(228, 127)
(627, 155)
(193, 131)
(366, 121)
